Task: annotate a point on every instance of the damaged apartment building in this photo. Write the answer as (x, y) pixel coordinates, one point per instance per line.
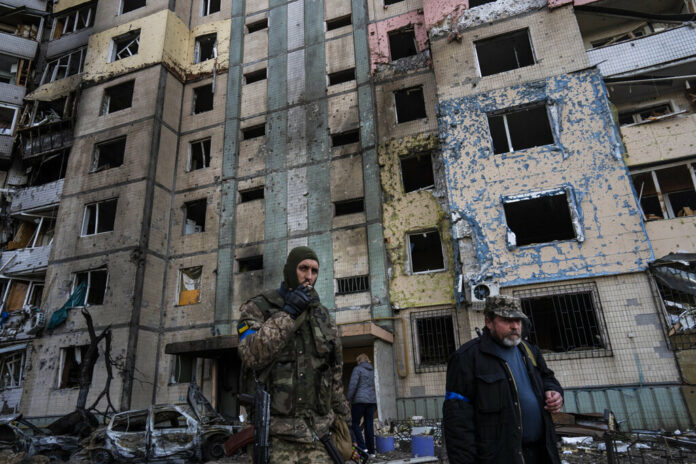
(162, 157)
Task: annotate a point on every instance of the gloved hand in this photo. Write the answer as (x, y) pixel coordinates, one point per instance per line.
(297, 301)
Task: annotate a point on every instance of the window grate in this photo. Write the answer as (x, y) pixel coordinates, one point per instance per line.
(567, 321)
(354, 284)
(434, 339)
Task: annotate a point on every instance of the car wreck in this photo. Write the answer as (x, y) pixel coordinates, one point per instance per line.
(167, 432)
(20, 435)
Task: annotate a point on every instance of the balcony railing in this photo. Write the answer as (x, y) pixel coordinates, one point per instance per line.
(25, 261)
(47, 138)
(37, 198)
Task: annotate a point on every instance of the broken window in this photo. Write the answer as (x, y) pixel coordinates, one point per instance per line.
(99, 217)
(355, 284)
(108, 154)
(254, 131)
(72, 22)
(64, 66)
(71, 359)
(339, 77)
(345, 138)
(183, 369)
(205, 48)
(96, 283)
(255, 76)
(35, 294)
(259, 25)
(520, 129)
(504, 52)
(130, 5)
(425, 251)
(8, 68)
(341, 21)
(199, 154)
(410, 104)
(8, 119)
(11, 369)
(640, 31)
(47, 168)
(250, 263)
(118, 97)
(125, 45)
(651, 113)
(475, 3)
(15, 295)
(434, 339)
(417, 172)
(541, 218)
(190, 285)
(402, 43)
(203, 98)
(666, 192)
(130, 421)
(251, 194)
(194, 214)
(565, 319)
(209, 7)
(342, 208)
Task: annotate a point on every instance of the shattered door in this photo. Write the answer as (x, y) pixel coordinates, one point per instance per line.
(128, 434)
(174, 433)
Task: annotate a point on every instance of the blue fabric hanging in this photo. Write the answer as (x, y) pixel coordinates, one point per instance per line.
(76, 299)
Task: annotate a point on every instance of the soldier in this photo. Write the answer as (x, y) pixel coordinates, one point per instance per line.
(290, 341)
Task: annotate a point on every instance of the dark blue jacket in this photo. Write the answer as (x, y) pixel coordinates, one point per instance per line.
(362, 384)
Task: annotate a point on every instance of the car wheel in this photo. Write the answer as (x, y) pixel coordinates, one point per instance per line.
(100, 456)
(213, 448)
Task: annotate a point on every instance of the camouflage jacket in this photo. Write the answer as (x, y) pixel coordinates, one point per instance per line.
(305, 380)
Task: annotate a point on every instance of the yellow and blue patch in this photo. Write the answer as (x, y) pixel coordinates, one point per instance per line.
(243, 330)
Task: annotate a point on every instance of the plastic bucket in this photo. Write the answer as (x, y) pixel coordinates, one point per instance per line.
(385, 444)
(422, 445)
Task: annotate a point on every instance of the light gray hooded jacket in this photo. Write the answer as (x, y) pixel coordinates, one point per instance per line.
(362, 384)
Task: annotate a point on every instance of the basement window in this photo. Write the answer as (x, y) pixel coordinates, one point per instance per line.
(391, 2)
(651, 113)
(118, 97)
(541, 217)
(99, 217)
(402, 43)
(259, 25)
(72, 22)
(65, 66)
(194, 216)
(130, 5)
(350, 285)
(71, 359)
(125, 45)
(209, 7)
(410, 104)
(566, 321)
(343, 208)
(205, 48)
(199, 155)
(190, 285)
(341, 21)
(11, 369)
(255, 76)
(251, 263)
(108, 154)
(203, 99)
(520, 129)
(251, 194)
(504, 52)
(434, 339)
(95, 282)
(417, 172)
(425, 252)
(254, 132)
(666, 192)
(475, 3)
(345, 138)
(183, 370)
(339, 77)
(8, 119)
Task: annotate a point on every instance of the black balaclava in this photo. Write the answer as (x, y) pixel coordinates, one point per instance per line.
(296, 256)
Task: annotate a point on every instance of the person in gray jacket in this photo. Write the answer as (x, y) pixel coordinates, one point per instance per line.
(363, 400)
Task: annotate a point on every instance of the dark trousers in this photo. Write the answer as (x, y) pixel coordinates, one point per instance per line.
(364, 411)
(535, 453)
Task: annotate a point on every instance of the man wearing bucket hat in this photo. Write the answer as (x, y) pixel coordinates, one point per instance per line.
(500, 394)
(289, 342)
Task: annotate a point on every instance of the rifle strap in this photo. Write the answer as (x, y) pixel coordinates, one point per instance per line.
(529, 352)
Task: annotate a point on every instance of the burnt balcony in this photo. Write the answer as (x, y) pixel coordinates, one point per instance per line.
(45, 138)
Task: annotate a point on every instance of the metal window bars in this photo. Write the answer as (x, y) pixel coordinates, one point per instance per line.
(434, 338)
(354, 284)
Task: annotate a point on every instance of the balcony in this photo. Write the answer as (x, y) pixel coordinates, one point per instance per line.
(25, 261)
(640, 55)
(667, 139)
(46, 138)
(32, 199)
(31, 4)
(18, 46)
(12, 94)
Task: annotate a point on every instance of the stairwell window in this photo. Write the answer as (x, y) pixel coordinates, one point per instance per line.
(520, 128)
(99, 217)
(504, 52)
(205, 48)
(203, 99)
(95, 282)
(125, 46)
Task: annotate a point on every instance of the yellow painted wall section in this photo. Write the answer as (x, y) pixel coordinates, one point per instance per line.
(62, 5)
(412, 212)
(222, 29)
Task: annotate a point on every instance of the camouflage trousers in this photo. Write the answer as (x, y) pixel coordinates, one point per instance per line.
(290, 452)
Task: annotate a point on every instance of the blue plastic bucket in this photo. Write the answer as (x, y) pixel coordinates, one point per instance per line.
(422, 445)
(385, 444)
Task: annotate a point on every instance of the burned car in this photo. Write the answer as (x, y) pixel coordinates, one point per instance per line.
(18, 435)
(166, 433)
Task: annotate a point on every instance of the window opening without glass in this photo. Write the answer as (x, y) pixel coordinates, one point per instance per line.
(190, 285)
(251, 194)
(108, 154)
(540, 219)
(259, 25)
(255, 76)
(125, 45)
(118, 97)
(71, 359)
(520, 129)
(11, 369)
(199, 154)
(96, 283)
(205, 48)
(352, 206)
(504, 52)
(130, 5)
(339, 77)
(410, 104)
(341, 21)
(345, 138)
(402, 43)
(250, 263)
(425, 251)
(194, 214)
(203, 99)
(254, 132)
(417, 172)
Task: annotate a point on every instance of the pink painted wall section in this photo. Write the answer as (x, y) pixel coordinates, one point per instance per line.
(557, 3)
(379, 35)
(435, 11)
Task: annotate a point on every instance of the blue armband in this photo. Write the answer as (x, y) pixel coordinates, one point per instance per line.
(456, 396)
(246, 334)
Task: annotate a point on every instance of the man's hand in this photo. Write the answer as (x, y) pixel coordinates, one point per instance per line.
(554, 401)
(297, 301)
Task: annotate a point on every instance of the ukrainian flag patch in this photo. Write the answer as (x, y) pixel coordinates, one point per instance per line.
(242, 327)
